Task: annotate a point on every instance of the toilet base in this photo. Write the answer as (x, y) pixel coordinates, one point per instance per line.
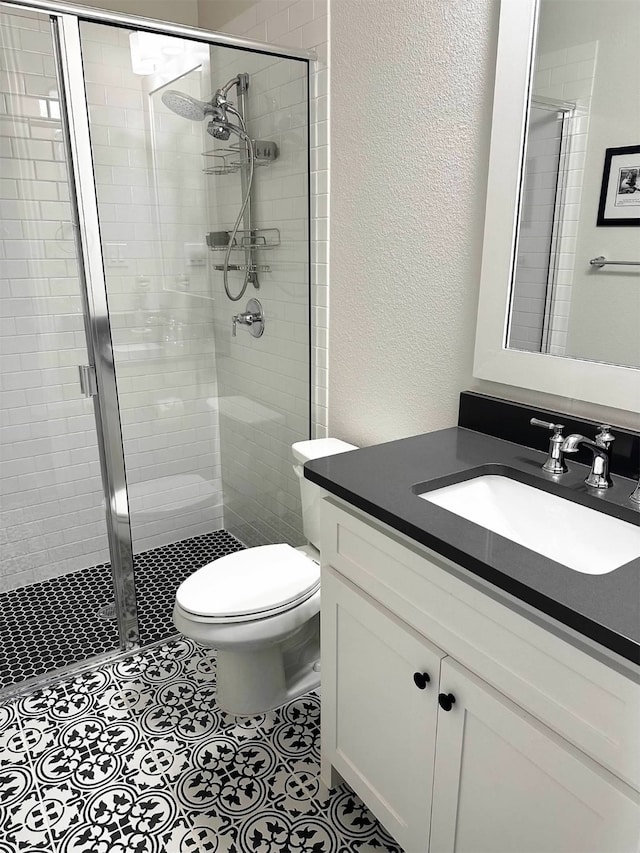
(260, 680)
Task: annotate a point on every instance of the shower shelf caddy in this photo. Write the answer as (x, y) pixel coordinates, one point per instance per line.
(256, 238)
(227, 161)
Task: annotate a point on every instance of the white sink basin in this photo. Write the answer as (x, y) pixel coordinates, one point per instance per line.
(578, 537)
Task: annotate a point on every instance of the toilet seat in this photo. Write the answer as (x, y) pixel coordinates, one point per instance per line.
(251, 584)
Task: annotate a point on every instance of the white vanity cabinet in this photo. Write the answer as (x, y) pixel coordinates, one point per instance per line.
(384, 680)
(517, 742)
(503, 782)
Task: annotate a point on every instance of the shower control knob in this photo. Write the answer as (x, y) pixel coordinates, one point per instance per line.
(252, 318)
(421, 679)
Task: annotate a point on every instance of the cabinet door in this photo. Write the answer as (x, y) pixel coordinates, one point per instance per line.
(504, 782)
(378, 725)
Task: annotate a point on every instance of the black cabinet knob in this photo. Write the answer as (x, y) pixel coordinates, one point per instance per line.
(420, 679)
(446, 701)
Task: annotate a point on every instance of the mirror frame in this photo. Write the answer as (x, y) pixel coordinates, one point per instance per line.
(590, 381)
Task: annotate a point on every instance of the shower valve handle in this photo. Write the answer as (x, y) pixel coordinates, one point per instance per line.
(253, 318)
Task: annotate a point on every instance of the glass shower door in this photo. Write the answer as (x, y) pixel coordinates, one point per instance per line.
(58, 527)
(208, 416)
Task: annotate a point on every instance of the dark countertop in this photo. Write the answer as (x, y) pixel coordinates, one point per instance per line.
(380, 480)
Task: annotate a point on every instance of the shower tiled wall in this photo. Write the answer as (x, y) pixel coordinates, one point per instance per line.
(52, 519)
(532, 272)
(264, 382)
(264, 385)
(561, 75)
(160, 302)
(568, 75)
(162, 310)
(151, 201)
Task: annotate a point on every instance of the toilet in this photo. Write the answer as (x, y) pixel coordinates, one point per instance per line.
(260, 608)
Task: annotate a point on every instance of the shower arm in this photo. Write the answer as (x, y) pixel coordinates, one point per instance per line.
(235, 81)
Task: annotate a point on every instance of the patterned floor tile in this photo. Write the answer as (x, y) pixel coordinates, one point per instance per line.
(119, 818)
(24, 825)
(137, 758)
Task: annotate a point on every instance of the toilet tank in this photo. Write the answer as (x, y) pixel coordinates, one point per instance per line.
(310, 493)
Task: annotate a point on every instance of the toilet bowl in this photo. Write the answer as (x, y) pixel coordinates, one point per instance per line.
(260, 609)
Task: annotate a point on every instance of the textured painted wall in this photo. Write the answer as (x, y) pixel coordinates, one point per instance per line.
(411, 93)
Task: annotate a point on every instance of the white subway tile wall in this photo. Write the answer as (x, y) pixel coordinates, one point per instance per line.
(181, 394)
(52, 515)
(563, 75)
(152, 209)
(532, 273)
(263, 382)
(305, 24)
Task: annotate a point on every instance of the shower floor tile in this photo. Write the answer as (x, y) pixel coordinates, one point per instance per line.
(90, 771)
(55, 623)
(160, 572)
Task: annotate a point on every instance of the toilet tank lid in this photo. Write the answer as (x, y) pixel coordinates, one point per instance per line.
(305, 451)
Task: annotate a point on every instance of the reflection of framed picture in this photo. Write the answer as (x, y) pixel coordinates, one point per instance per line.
(620, 193)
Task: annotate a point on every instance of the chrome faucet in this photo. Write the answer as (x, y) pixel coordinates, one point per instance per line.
(598, 477)
(554, 463)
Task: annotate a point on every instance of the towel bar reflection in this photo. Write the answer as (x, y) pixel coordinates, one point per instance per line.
(601, 261)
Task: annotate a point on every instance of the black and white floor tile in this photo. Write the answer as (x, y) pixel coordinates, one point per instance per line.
(55, 623)
(136, 757)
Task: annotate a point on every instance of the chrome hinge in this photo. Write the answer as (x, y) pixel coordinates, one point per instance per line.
(88, 381)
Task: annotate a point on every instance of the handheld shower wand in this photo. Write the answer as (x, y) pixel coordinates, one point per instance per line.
(221, 128)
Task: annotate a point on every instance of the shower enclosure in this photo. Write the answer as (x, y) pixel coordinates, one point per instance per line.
(155, 184)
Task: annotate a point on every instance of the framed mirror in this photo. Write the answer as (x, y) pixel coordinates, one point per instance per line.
(559, 308)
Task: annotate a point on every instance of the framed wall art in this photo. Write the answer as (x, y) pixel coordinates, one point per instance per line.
(620, 192)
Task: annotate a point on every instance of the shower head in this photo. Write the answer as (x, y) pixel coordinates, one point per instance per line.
(191, 108)
(186, 106)
(219, 129)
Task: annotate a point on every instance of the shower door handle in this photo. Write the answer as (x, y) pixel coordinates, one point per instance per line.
(88, 380)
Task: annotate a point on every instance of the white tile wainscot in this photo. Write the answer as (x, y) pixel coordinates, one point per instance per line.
(522, 716)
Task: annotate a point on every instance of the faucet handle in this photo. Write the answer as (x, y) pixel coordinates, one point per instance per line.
(557, 428)
(554, 463)
(604, 436)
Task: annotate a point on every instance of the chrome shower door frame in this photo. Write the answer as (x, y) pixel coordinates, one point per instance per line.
(66, 20)
(75, 116)
(60, 8)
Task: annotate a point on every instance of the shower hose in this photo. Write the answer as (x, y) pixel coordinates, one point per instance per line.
(232, 235)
